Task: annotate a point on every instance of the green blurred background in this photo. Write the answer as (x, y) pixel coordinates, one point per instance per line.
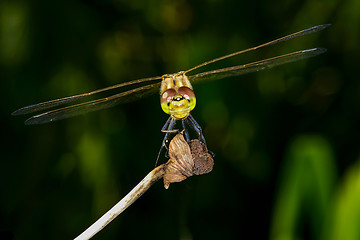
(286, 140)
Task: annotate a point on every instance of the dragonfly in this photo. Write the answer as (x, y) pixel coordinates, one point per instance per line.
(177, 97)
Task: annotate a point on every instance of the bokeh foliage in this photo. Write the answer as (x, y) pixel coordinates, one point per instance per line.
(286, 139)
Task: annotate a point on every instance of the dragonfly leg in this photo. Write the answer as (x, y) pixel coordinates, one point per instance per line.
(186, 133)
(166, 124)
(168, 128)
(192, 122)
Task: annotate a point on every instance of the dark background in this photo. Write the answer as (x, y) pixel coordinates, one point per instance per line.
(286, 140)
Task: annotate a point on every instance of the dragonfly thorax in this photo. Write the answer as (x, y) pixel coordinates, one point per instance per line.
(176, 95)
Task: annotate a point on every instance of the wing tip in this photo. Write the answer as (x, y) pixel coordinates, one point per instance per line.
(18, 112)
(35, 120)
(326, 25)
(320, 27)
(25, 110)
(30, 121)
(318, 50)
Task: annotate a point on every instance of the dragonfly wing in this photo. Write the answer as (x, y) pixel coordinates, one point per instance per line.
(276, 41)
(255, 66)
(65, 100)
(94, 105)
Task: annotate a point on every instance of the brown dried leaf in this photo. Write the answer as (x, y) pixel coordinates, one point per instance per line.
(203, 161)
(186, 159)
(180, 165)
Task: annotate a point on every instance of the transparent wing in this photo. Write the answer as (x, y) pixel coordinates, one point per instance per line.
(255, 66)
(150, 85)
(276, 41)
(94, 105)
(65, 100)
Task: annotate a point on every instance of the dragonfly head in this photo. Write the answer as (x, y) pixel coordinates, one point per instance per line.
(176, 95)
(178, 104)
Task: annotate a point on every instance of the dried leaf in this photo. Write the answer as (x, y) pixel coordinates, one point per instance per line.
(203, 160)
(186, 160)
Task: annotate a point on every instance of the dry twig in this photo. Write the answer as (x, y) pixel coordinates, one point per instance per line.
(186, 159)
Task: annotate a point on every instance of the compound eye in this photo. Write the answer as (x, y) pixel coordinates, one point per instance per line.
(186, 92)
(189, 95)
(166, 98)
